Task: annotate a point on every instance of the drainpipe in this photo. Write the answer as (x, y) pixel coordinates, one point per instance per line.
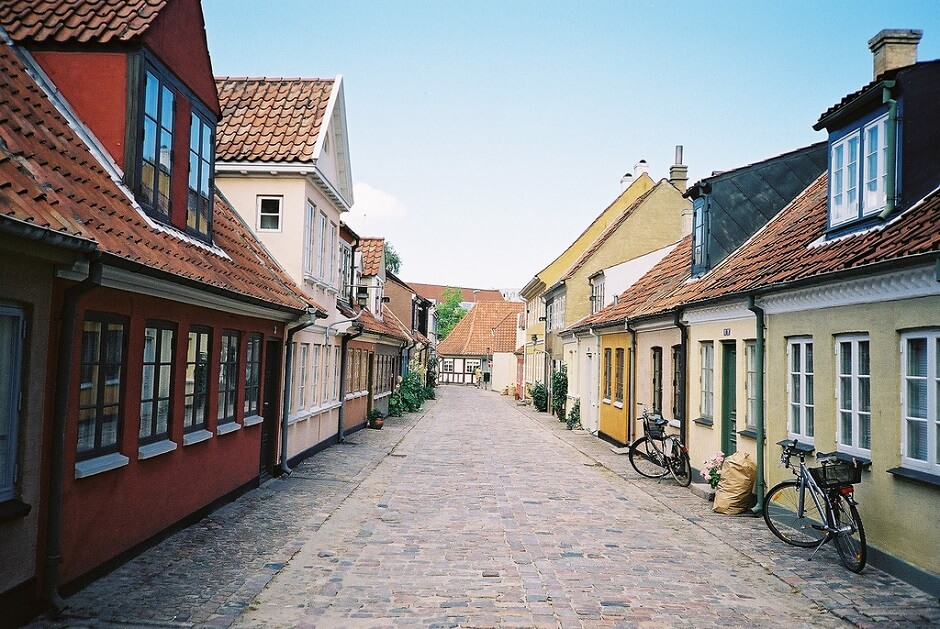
(681, 376)
(343, 366)
(759, 394)
(288, 387)
(59, 418)
(631, 388)
(891, 160)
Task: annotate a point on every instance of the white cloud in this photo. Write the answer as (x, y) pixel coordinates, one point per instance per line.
(374, 208)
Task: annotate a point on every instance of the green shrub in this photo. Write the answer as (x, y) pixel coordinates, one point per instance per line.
(574, 415)
(430, 376)
(539, 393)
(560, 392)
(429, 393)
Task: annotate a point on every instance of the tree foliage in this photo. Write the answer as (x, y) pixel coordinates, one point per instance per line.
(450, 312)
(392, 260)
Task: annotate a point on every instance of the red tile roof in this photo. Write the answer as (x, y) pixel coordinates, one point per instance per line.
(791, 247)
(373, 255)
(50, 180)
(99, 21)
(488, 325)
(270, 120)
(651, 293)
(436, 293)
(370, 323)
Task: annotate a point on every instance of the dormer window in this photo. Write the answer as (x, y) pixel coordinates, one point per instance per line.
(858, 159)
(199, 203)
(699, 233)
(157, 148)
(171, 149)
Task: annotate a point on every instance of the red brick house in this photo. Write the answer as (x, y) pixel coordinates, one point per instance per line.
(146, 321)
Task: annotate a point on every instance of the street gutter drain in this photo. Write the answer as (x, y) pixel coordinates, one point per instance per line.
(490, 573)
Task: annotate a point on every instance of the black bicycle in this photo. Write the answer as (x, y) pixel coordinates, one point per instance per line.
(657, 453)
(818, 506)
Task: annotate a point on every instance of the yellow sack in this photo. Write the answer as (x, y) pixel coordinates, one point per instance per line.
(738, 473)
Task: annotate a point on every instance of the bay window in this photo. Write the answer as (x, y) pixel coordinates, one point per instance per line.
(920, 395)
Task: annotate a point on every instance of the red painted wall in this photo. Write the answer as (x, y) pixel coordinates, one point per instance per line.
(95, 85)
(108, 513)
(354, 414)
(178, 38)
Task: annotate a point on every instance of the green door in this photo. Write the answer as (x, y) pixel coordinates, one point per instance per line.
(729, 437)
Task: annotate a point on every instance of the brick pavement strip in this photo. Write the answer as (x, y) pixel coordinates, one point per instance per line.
(479, 513)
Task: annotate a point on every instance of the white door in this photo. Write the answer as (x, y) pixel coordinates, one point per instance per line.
(589, 410)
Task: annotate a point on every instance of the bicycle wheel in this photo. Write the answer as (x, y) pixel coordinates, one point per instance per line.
(781, 513)
(646, 459)
(850, 534)
(679, 465)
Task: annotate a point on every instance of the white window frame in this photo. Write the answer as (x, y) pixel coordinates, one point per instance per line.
(750, 384)
(333, 252)
(842, 181)
(302, 372)
(597, 294)
(447, 365)
(280, 212)
(314, 377)
(874, 201)
(801, 408)
(855, 380)
(321, 248)
(310, 237)
(707, 379)
(11, 384)
(932, 378)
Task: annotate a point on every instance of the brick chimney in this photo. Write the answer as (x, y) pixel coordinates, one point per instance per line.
(894, 48)
(679, 172)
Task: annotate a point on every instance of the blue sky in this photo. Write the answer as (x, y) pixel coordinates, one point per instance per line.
(485, 136)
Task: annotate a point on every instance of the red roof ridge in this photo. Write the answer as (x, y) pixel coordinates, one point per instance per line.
(276, 79)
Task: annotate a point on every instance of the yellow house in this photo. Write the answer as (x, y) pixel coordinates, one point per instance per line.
(538, 354)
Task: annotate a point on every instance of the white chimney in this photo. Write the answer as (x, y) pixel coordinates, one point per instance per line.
(894, 48)
(640, 168)
(625, 181)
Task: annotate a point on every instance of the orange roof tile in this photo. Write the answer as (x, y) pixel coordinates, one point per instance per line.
(99, 21)
(436, 292)
(791, 247)
(651, 293)
(49, 179)
(270, 120)
(489, 325)
(373, 255)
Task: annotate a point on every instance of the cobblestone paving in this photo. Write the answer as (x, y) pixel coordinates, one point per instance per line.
(479, 513)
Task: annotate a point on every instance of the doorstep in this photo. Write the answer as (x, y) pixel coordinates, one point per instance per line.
(703, 491)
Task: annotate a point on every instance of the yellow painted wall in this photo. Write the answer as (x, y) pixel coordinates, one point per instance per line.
(705, 441)
(655, 223)
(646, 340)
(613, 414)
(900, 516)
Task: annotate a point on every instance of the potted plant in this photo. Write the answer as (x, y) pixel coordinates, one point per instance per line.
(375, 419)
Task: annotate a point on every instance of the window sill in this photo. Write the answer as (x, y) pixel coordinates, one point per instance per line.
(197, 436)
(801, 446)
(300, 416)
(924, 478)
(618, 404)
(227, 427)
(383, 395)
(252, 420)
(750, 433)
(704, 421)
(151, 450)
(853, 458)
(99, 464)
(13, 510)
(605, 401)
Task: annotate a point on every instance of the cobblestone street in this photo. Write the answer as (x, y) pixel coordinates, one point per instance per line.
(480, 513)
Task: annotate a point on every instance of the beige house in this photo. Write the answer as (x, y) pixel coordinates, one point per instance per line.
(283, 163)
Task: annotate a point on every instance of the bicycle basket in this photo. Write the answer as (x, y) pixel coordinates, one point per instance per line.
(837, 474)
(655, 432)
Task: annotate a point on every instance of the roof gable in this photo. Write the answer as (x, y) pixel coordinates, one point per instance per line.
(373, 256)
(488, 326)
(52, 181)
(272, 119)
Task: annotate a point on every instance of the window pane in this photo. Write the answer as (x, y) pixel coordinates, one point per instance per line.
(864, 363)
(845, 391)
(864, 431)
(146, 412)
(917, 357)
(917, 398)
(109, 426)
(845, 358)
(917, 440)
(846, 436)
(810, 423)
(808, 390)
(795, 364)
(151, 96)
(86, 429)
(809, 357)
(166, 111)
(864, 395)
